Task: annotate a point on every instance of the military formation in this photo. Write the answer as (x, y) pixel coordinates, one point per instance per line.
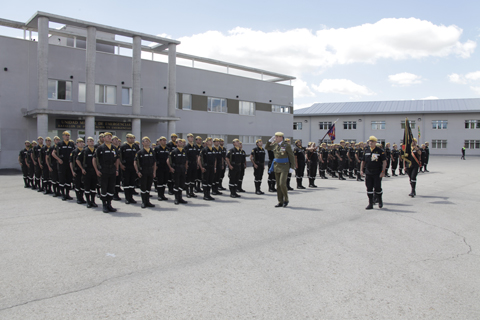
(100, 170)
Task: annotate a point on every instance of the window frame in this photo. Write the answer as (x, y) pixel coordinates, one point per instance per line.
(443, 144)
(296, 125)
(105, 94)
(321, 125)
(439, 124)
(209, 109)
(379, 122)
(252, 108)
(276, 108)
(349, 125)
(56, 89)
(412, 124)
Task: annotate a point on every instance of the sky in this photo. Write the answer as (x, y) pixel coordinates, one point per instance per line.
(337, 50)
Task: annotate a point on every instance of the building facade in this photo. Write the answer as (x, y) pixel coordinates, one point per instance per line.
(77, 77)
(447, 125)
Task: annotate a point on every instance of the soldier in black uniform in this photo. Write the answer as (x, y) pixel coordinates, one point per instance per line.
(374, 163)
(401, 160)
(342, 159)
(323, 160)
(172, 144)
(299, 153)
(106, 168)
(52, 166)
(242, 169)
(207, 162)
(235, 160)
(224, 165)
(412, 164)
(100, 141)
(219, 166)
(351, 159)
(427, 157)
(161, 156)
(38, 163)
(77, 171)
(199, 144)
(359, 156)
(257, 157)
(388, 156)
(395, 156)
(22, 159)
(85, 161)
(127, 155)
(178, 165)
(62, 153)
(47, 182)
(31, 167)
(312, 162)
(192, 152)
(118, 178)
(271, 175)
(146, 168)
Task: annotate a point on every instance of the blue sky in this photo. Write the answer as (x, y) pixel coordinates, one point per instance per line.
(338, 50)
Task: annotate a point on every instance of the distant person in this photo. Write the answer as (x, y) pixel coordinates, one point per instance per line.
(463, 152)
(427, 156)
(373, 164)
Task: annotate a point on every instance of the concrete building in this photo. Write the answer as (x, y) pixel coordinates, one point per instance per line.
(88, 78)
(446, 124)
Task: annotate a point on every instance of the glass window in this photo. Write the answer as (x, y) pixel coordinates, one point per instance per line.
(280, 109)
(378, 125)
(324, 125)
(249, 139)
(439, 124)
(439, 144)
(127, 96)
(218, 136)
(472, 124)
(82, 92)
(217, 105)
(349, 125)
(297, 126)
(186, 101)
(412, 124)
(59, 90)
(246, 108)
(105, 94)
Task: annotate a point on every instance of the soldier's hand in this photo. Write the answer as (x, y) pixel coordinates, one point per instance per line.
(361, 173)
(122, 167)
(84, 172)
(203, 170)
(172, 170)
(41, 167)
(255, 166)
(139, 175)
(74, 174)
(230, 167)
(60, 161)
(116, 173)
(28, 165)
(382, 174)
(50, 169)
(99, 173)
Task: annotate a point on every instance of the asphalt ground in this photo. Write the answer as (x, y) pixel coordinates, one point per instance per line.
(322, 257)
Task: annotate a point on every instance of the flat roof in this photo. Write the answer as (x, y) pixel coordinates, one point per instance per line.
(391, 107)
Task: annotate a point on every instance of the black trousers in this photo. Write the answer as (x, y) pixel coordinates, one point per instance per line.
(146, 181)
(64, 175)
(234, 176)
(312, 170)
(31, 171)
(46, 173)
(25, 171)
(388, 165)
(162, 176)
(412, 173)
(191, 174)
(107, 185)
(394, 164)
(218, 175)
(77, 181)
(341, 165)
(351, 165)
(38, 172)
(373, 182)
(300, 171)
(208, 176)
(179, 178)
(90, 181)
(401, 163)
(258, 172)
(129, 177)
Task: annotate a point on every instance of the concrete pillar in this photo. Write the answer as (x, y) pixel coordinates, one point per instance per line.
(42, 63)
(42, 125)
(171, 127)
(172, 85)
(91, 55)
(137, 77)
(136, 129)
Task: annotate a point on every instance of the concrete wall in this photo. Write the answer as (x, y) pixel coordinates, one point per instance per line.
(455, 134)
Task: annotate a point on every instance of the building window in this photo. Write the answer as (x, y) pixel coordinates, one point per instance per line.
(218, 136)
(439, 144)
(472, 124)
(82, 92)
(280, 109)
(247, 108)
(217, 105)
(349, 125)
(249, 139)
(186, 101)
(472, 144)
(105, 94)
(439, 124)
(59, 90)
(127, 96)
(324, 125)
(327, 141)
(378, 125)
(412, 124)
(297, 126)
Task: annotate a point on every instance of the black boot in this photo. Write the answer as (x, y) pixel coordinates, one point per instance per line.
(239, 186)
(215, 189)
(180, 198)
(379, 200)
(206, 194)
(192, 193)
(109, 206)
(370, 202)
(144, 200)
(161, 194)
(115, 195)
(126, 192)
(350, 175)
(147, 198)
(270, 186)
(187, 190)
(67, 192)
(426, 168)
(105, 205)
(198, 189)
(80, 199)
(288, 185)
(413, 193)
(220, 187)
(170, 187)
(49, 188)
(233, 193)
(92, 200)
(340, 176)
(64, 198)
(89, 203)
(312, 184)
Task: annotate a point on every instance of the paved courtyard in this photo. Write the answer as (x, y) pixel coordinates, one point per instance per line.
(323, 257)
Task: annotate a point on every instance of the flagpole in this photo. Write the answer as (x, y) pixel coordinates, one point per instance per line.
(329, 129)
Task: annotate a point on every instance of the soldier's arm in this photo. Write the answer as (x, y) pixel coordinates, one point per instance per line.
(32, 156)
(20, 160)
(269, 146)
(291, 158)
(362, 165)
(79, 162)
(96, 164)
(228, 162)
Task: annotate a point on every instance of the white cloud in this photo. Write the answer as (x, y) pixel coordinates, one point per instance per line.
(430, 98)
(342, 86)
(473, 75)
(301, 89)
(456, 78)
(404, 79)
(476, 89)
(301, 50)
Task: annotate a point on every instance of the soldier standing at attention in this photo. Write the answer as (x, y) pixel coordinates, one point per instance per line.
(178, 165)
(388, 156)
(207, 161)
(22, 157)
(62, 153)
(118, 178)
(161, 156)
(289, 177)
(192, 152)
(100, 141)
(37, 162)
(77, 171)
(412, 165)
(427, 152)
(312, 162)
(323, 160)
(342, 159)
(223, 151)
(401, 160)
(146, 168)
(351, 159)
(47, 182)
(85, 161)
(219, 167)
(283, 163)
(299, 153)
(52, 165)
(395, 155)
(359, 154)
(106, 168)
(172, 144)
(374, 163)
(271, 175)
(127, 153)
(242, 169)
(198, 180)
(31, 167)
(257, 157)
(235, 161)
